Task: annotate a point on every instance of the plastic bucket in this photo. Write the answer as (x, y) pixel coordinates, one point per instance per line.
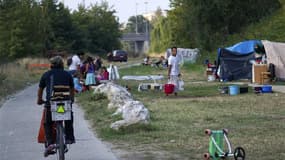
(168, 88)
(233, 90)
(266, 89)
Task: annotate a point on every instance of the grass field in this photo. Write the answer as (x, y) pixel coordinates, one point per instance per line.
(176, 131)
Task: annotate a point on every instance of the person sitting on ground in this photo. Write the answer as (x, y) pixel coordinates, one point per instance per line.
(99, 75)
(146, 61)
(76, 80)
(162, 61)
(105, 73)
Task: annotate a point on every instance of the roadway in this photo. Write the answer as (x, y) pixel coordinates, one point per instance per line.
(19, 123)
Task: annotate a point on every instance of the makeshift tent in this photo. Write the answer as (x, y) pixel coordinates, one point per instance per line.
(185, 54)
(235, 62)
(275, 53)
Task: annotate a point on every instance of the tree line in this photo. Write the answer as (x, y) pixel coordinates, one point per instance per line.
(206, 23)
(33, 27)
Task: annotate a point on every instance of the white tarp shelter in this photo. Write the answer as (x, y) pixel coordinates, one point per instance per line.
(185, 54)
(275, 52)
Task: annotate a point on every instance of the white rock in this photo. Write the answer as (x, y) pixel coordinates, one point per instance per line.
(118, 100)
(132, 111)
(135, 111)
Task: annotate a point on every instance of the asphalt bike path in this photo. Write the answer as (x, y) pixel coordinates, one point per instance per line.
(19, 124)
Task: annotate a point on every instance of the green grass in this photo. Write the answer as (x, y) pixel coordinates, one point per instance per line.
(256, 122)
(176, 131)
(190, 72)
(142, 70)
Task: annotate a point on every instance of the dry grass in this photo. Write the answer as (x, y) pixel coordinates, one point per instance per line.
(15, 76)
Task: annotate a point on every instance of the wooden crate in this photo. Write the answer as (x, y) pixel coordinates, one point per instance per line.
(257, 69)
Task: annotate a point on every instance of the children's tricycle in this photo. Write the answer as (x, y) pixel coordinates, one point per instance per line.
(216, 146)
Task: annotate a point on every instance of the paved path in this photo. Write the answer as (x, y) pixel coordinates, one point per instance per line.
(19, 124)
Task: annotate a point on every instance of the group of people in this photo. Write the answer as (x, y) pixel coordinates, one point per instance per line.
(91, 70)
(170, 61)
(162, 61)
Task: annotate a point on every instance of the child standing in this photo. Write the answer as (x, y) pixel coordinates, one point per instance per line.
(89, 70)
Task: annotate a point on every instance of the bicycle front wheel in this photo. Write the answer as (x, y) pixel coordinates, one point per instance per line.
(60, 141)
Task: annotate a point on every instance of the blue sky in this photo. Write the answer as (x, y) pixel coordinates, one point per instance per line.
(125, 8)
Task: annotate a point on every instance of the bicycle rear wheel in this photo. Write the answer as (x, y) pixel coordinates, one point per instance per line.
(60, 141)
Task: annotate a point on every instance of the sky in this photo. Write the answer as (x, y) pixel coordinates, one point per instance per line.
(125, 8)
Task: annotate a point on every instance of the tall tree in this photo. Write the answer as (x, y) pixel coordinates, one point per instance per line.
(136, 22)
(32, 27)
(19, 32)
(160, 34)
(57, 26)
(205, 23)
(98, 28)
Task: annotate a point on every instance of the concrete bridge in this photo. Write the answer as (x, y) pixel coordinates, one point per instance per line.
(140, 41)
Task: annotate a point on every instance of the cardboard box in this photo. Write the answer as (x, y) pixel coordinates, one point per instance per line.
(257, 69)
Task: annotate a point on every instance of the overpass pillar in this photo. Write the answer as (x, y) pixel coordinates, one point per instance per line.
(136, 48)
(146, 46)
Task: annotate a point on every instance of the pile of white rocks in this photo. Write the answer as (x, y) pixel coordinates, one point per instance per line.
(132, 111)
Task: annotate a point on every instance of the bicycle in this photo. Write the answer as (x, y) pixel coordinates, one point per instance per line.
(61, 110)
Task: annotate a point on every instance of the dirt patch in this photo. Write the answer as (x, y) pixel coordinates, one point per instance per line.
(123, 152)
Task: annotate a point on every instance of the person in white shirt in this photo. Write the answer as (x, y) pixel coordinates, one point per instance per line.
(76, 62)
(146, 61)
(173, 69)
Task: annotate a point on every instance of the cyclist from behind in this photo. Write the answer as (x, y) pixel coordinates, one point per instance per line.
(56, 76)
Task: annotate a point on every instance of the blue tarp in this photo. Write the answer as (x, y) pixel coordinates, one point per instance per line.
(234, 61)
(245, 47)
